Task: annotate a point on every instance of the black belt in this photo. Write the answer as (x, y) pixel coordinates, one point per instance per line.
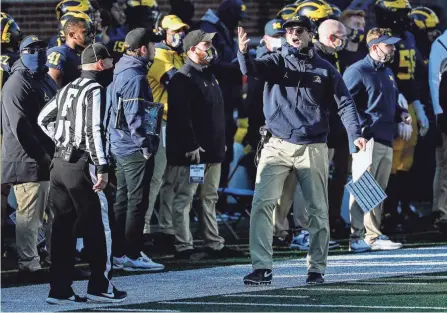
(75, 156)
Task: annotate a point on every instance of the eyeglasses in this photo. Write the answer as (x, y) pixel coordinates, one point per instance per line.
(296, 30)
(34, 50)
(342, 39)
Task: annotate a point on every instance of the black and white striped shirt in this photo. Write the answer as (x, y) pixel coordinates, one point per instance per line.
(75, 117)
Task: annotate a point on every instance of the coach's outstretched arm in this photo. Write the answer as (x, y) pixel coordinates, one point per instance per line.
(267, 68)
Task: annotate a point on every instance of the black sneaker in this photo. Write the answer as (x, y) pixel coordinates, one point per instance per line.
(224, 253)
(65, 300)
(259, 277)
(190, 254)
(314, 278)
(115, 297)
(80, 274)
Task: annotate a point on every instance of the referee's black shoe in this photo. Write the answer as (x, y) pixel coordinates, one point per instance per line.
(314, 278)
(258, 277)
(115, 297)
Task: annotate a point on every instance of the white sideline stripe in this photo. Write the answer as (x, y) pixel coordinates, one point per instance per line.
(131, 310)
(310, 305)
(426, 276)
(373, 255)
(382, 283)
(264, 296)
(327, 289)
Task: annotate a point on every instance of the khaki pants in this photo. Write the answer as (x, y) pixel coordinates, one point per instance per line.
(282, 208)
(291, 196)
(166, 194)
(440, 181)
(31, 200)
(178, 178)
(382, 160)
(310, 164)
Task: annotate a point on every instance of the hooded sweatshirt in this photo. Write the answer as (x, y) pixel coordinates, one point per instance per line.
(131, 85)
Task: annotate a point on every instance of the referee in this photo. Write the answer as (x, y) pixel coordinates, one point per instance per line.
(78, 176)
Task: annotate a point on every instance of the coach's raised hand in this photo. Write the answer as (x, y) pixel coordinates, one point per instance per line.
(242, 40)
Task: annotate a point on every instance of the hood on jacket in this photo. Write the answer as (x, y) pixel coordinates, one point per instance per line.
(262, 50)
(211, 17)
(127, 62)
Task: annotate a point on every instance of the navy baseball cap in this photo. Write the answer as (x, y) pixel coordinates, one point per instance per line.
(33, 41)
(387, 38)
(299, 20)
(233, 8)
(274, 28)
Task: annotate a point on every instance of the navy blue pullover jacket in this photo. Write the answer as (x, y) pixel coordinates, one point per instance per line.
(374, 89)
(131, 85)
(297, 104)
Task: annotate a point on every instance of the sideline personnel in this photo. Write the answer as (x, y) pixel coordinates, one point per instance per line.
(26, 151)
(133, 143)
(373, 86)
(169, 58)
(195, 134)
(77, 179)
(299, 92)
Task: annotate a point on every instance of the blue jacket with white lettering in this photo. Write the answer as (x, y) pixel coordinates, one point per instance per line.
(374, 89)
(297, 104)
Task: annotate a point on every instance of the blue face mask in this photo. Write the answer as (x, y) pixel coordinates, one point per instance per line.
(177, 40)
(35, 62)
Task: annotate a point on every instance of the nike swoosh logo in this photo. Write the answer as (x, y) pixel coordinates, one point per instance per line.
(267, 275)
(109, 295)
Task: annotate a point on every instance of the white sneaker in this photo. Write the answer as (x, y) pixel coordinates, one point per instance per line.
(143, 263)
(301, 241)
(359, 246)
(118, 263)
(384, 243)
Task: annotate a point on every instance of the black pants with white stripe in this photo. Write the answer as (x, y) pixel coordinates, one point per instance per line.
(73, 201)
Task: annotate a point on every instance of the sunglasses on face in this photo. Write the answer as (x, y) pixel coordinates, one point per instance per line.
(296, 30)
(34, 50)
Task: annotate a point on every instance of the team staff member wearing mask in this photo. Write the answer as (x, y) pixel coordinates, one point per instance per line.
(169, 58)
(196, 135)
(79, 175)
(26, 150)
(374, 89)
(300, 91)
(355, 50)
(332, 40)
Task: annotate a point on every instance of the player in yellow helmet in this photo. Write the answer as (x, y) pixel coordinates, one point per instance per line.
(424, 26)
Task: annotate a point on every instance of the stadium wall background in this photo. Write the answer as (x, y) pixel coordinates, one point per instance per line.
(38, 16)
